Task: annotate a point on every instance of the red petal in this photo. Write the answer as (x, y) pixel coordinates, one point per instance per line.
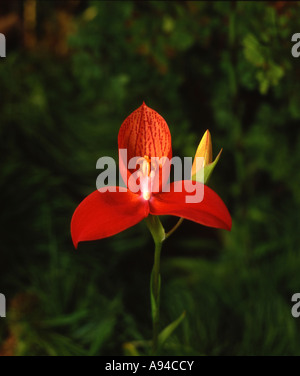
(144, 133)
(211, 211)
(103, 214)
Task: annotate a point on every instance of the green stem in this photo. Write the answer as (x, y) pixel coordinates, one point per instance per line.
(158, 234)
(174, 228)
(156, 294)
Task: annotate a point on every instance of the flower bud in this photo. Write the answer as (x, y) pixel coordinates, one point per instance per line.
(204, 151)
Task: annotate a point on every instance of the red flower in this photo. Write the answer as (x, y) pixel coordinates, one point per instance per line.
(144, 134)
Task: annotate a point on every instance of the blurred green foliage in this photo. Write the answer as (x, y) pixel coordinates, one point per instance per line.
(226, 66)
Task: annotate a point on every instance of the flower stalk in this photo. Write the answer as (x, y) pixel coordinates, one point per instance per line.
(155, 287)
(158, 234)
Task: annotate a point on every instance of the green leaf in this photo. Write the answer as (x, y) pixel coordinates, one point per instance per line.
(165, 334)
(253, 50)
(208, 169)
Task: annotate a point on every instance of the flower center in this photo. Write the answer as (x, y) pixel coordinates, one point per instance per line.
(146, 195)
(146, 177)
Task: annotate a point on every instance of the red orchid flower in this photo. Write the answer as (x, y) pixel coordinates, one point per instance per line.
(144, 134)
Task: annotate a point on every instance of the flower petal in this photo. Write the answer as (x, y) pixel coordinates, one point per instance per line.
(144, 133)
(211, 211)
(103, 214)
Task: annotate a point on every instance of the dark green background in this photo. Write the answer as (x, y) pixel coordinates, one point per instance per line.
(69, 80)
